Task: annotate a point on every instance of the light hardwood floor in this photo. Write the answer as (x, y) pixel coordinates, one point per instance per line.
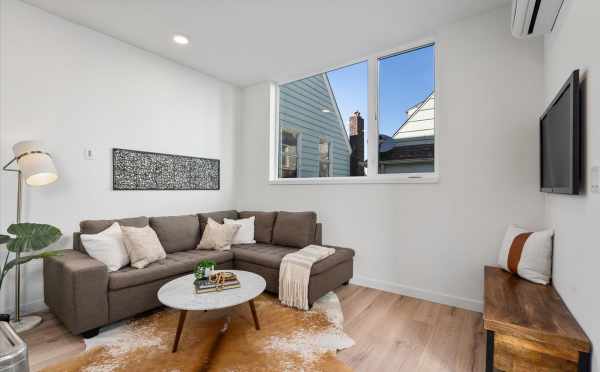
(392, 333)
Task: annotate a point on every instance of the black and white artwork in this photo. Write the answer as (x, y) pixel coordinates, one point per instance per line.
(141, 170)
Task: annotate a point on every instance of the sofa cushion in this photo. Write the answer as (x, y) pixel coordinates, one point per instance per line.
(261, 254)
(177, 233)
(96, 226)
(270, 256)
(217, 217)
(295, 229)
(175, 264)
(263, 225)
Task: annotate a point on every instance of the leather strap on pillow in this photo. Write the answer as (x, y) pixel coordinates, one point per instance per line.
(516, 250)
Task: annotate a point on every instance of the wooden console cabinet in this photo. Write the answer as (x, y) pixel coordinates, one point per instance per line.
(529, 328)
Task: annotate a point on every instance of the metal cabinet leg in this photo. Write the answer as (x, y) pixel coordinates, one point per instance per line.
(585, 362)
(489, 351)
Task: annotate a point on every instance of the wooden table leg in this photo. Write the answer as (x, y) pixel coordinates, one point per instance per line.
(253, 309)
(489, 352)
(182, 315)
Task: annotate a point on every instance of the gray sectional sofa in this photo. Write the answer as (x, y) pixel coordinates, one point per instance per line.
(81, 292)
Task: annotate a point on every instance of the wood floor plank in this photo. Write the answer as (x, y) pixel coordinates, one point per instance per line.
(392, 333)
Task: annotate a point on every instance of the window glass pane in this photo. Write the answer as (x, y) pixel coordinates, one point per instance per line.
(324, 169)
(289, 154)
(324, 163)
(407, 112)
(324, 150)
(328, 110)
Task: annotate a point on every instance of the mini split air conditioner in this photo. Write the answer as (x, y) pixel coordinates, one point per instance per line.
(534, 17)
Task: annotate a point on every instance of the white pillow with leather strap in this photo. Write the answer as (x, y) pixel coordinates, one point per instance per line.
(527, 254)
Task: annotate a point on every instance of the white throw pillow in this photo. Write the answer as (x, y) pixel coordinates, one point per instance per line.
(527, 254)
(107, 247)
(245, 235)
(142, 245)
(217, 236)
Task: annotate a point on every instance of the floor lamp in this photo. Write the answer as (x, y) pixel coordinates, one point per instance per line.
(36, 168)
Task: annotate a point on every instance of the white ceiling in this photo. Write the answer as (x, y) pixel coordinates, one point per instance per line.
(247, 41)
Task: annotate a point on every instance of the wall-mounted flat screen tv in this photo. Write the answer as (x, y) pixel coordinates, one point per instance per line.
(560, 142)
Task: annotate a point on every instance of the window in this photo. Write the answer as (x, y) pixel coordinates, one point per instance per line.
(332, 110)
(407, 112)
(328, 110)
(324, 154)
(289, 153)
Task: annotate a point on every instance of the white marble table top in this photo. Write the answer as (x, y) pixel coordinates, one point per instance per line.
(180, 293)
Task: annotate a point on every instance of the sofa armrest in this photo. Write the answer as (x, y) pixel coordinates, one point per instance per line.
(75, 290)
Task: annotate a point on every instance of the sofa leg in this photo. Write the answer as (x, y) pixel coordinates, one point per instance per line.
(346, 283)
(91, 333)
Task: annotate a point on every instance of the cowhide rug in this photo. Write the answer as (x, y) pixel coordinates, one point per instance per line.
(289, 340)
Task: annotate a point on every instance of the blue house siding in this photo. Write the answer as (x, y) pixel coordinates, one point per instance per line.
(300, 109)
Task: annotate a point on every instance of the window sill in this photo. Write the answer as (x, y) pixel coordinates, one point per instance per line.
(379, 179)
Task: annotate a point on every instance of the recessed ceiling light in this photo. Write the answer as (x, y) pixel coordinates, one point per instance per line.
(181, 39)
(326, 110)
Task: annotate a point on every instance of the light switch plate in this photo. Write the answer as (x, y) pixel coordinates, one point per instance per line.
(88, 153)
(595, 175)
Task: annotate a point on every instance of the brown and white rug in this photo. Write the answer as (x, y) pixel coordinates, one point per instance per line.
(289, 340)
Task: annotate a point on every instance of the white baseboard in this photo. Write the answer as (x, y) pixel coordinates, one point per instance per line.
(383, 285)
(28, 308)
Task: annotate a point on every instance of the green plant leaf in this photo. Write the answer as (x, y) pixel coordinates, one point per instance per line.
(24, 259)
(5, 239)
(32, 236)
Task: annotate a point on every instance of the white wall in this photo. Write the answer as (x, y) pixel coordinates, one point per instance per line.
(576, 218)
(73, 88)
(432, 240)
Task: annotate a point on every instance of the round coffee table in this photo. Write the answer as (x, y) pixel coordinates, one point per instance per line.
(180, 294)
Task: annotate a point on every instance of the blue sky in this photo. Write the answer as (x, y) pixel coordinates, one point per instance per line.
(405, 80)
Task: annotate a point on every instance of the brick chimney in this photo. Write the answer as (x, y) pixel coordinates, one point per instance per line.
(356, 127)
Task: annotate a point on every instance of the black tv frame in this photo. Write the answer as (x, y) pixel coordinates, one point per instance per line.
(575, 132)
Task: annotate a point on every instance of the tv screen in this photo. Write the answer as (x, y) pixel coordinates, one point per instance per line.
(560, 142)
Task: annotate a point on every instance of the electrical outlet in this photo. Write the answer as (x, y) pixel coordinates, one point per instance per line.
(88, 154)
(595, 175)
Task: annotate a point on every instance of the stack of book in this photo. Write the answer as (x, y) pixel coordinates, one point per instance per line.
(208, 285)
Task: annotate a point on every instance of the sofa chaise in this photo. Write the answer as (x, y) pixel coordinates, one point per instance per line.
(81, 292)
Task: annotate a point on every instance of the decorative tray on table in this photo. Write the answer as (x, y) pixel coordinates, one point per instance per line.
(216, 282)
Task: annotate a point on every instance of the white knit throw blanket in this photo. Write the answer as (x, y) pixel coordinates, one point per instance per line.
(294, 274)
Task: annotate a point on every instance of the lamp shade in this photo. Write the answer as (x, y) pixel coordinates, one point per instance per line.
(35, 163)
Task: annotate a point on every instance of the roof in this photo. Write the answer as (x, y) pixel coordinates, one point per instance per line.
(405, 150)
(421, 120)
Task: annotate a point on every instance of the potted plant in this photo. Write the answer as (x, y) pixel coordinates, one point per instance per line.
(204, 268)
(24, 239)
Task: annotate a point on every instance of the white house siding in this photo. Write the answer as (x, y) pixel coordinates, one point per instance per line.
(420, 122)
(300, 108)
(416, 131)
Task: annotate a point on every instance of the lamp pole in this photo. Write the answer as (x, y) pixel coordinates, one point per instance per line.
(17, 254)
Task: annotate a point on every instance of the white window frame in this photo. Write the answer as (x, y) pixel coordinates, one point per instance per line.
(373, 176)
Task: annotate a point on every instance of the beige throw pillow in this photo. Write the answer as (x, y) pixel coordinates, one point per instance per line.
(217, 236)
(142, 245)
